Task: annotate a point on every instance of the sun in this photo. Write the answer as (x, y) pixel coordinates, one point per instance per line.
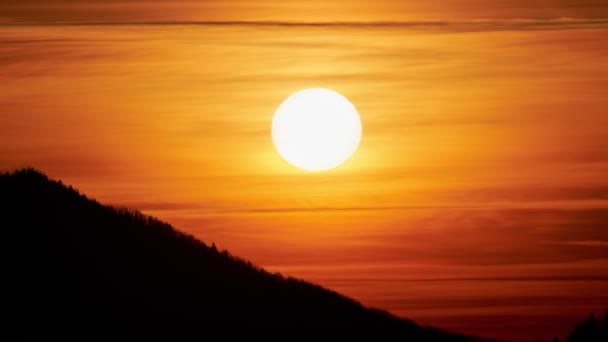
(316, 129)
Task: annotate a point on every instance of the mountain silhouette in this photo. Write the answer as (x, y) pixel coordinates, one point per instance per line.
(593, 329)
(77, 270)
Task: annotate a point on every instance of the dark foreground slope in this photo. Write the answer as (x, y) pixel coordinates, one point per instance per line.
(75, 269)
(593, 329)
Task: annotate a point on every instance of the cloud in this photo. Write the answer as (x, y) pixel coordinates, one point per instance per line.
(476, 25)
(582, 243)
(290, 11)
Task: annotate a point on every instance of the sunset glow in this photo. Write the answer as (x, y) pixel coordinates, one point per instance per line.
(466, 152)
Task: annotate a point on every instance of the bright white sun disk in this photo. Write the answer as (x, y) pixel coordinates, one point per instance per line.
(316, 129)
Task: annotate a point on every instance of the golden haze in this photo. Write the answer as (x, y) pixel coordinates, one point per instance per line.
(478, 193)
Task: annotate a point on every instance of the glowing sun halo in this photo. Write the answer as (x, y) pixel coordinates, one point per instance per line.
(316, 129)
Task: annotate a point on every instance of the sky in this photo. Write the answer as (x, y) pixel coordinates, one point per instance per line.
(477, 199)
(295, 10)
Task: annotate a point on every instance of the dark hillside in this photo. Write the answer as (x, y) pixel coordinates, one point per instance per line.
(593, 329)
(76, 269)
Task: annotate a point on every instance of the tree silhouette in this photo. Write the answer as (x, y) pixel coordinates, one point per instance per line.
(594, 329)
(77, 270)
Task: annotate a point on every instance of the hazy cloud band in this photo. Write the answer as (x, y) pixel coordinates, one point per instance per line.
(468, 25)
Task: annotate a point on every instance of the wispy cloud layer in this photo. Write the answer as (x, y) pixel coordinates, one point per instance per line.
(475, 25)
(295, 10)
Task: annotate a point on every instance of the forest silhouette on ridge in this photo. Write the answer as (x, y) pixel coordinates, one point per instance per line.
(77, 269)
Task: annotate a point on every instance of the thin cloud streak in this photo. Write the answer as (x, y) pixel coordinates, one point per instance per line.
(388, 279)
(278, 210)
(476, 25)
(583, 243)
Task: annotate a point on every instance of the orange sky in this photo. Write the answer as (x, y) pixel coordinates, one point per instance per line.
(296, 10)
(477, 198)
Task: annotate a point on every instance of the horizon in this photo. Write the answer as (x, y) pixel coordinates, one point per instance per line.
(477, 193)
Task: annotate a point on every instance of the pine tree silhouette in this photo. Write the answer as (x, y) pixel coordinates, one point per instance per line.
(74, 269)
